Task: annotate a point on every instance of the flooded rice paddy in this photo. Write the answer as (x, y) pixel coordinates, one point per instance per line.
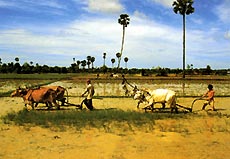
(114, 87)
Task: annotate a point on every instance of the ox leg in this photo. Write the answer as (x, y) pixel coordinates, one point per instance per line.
(32, 105)
(152, 107)
(49, 105)
(36, 104)
(176, 109)
(138, 104)
(173, 106)
(63, 101)
(56, 105)
(163, 105)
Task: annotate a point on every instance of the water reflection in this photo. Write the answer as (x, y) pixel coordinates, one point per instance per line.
(181, 87)
(114, 88)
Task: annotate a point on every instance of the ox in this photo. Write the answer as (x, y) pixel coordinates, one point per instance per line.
(163, 96)
(60, 91)
(35, 96)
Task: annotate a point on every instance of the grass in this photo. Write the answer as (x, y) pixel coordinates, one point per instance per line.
(119, 121)
(80, 119)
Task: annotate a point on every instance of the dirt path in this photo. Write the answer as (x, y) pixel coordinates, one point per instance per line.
(196, 138)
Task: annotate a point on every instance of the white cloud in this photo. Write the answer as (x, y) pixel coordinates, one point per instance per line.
(52, 6)
(196, 20)
(147, 43)
(106, 6)
(95, 36)
(33, 4)
(166, 3)
(6, 4)
(223, 11)
(139, 14)
(50, 3)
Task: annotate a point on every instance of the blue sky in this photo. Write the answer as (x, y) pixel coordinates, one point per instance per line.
(53, 32)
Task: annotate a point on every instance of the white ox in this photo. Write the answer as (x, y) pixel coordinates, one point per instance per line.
(163, 96)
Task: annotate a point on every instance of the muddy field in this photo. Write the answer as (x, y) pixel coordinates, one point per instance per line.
(205, 134)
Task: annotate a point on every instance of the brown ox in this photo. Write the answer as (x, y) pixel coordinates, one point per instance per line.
(41, 95)
(60, 92)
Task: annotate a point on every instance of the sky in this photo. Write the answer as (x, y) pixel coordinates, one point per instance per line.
(53, 32)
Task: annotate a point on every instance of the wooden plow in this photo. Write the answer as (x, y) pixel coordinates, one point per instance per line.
(191, 108)
(178, 105)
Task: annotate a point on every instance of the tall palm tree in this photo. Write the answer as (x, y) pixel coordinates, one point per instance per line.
(118, 55)
(83, 63)
(88, 61)
(113, 61)
(78, 63)
(92, 61)
(126, 59)
(16, 59)
(124, 21)
(104, 56)
(183, 7)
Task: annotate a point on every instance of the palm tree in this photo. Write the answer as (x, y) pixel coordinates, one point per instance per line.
(113, 61)
(88, 61)
(83, 64)
(126, 60)
(183, 7)
(104, 56)
(124, 21)
(92, 61)
(16, 59)
(78, 63)
(118, 55)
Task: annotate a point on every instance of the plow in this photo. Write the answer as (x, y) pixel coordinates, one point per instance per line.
(189, 108)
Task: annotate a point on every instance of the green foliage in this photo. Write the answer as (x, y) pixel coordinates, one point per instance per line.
(81, 119)
(183, 7)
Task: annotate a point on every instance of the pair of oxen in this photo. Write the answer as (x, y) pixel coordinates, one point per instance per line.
(47, 94)
(165, 97)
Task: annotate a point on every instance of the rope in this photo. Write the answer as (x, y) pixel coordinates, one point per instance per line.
(126, 81)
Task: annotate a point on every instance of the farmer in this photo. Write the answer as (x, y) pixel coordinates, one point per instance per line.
(209, 97)
(90, 92)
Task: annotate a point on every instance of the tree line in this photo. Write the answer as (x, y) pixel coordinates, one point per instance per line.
(77, 66)
(83, 66)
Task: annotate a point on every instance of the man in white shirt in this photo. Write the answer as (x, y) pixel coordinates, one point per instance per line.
(90, 92)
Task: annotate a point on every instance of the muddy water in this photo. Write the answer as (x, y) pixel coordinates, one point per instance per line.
(114, 88)
(188, 88)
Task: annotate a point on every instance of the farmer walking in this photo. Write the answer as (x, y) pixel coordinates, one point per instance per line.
(90, 92)
(209, 97)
